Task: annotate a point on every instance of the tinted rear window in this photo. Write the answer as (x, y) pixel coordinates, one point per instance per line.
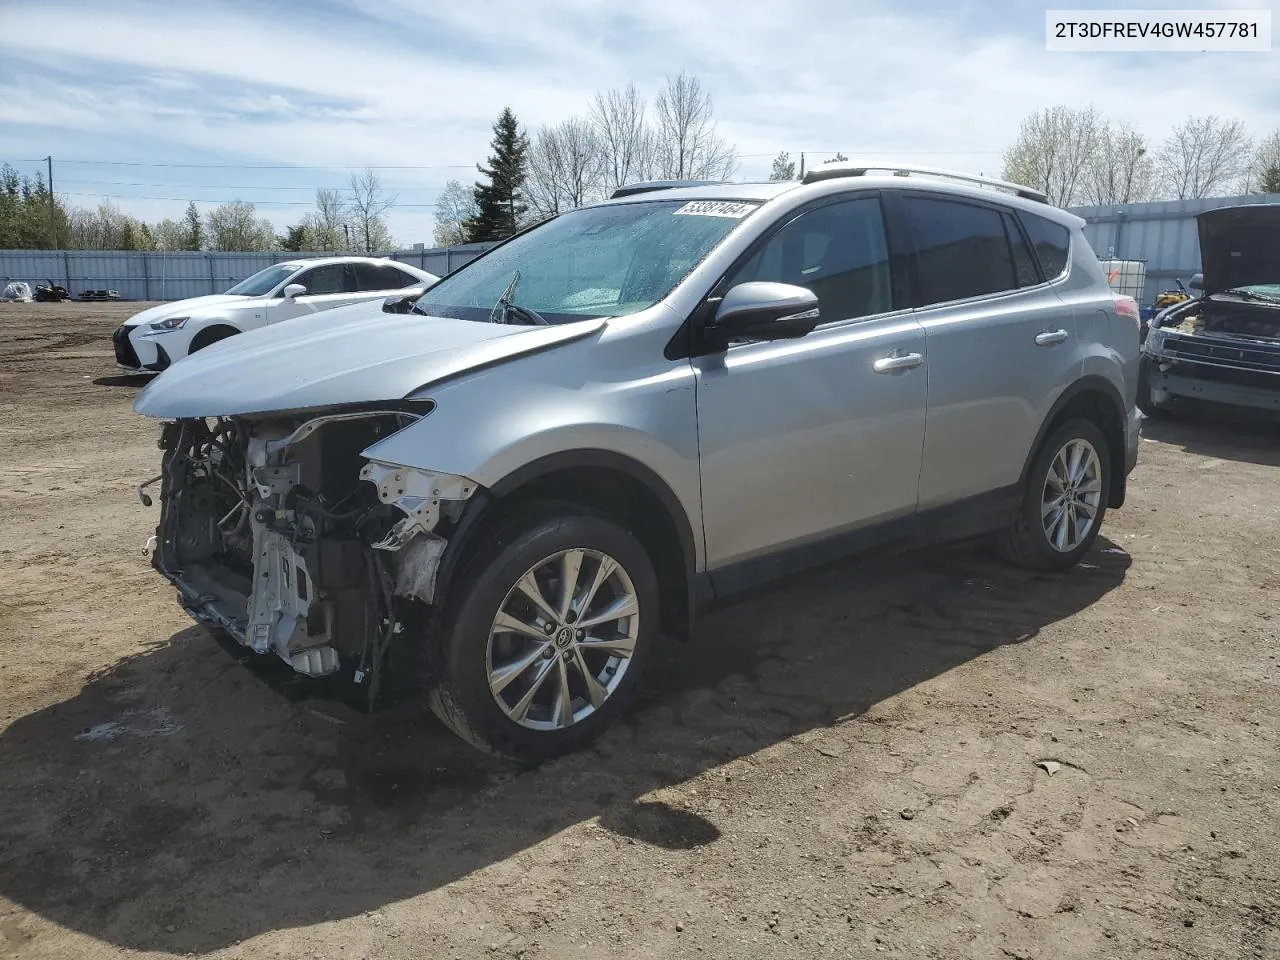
(1024, 261)
(961, 250)
(1052, 242)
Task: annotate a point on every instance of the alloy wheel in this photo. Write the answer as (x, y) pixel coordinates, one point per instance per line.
(562, 639)
(1072, 495)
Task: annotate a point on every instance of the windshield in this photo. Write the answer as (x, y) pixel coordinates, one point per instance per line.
(596, 262)
(264, 281)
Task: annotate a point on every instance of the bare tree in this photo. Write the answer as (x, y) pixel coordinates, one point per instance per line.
(566, 168)
(1204, 157)
(688, 145)
(326, 222)
(1053, 151)
(625, 141)
(784, 168)
(455, 207)
(1261, 175)
(1121, 169)
(367, 202)
(236, 226)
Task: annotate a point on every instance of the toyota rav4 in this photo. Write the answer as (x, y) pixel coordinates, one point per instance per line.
(505, 490)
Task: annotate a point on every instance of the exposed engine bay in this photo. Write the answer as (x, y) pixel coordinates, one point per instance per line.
(282, 534)
(1229, 319)
(1219, 349)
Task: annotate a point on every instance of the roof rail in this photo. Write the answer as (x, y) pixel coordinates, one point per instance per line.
(833, 171)
(650, 185)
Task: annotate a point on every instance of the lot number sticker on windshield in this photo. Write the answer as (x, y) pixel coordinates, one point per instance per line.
(716, 208)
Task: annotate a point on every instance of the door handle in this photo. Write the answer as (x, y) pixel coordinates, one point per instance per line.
(1050, 338)
(903, 361)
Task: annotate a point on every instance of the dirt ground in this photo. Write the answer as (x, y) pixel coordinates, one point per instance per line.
(845, 767)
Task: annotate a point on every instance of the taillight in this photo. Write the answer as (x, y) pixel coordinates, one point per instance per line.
(1128, 307)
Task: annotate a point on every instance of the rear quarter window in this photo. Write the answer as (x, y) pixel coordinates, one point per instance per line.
(1052, 243)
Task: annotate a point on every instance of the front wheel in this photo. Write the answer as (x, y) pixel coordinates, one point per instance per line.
(545, 644)
(1063, 500)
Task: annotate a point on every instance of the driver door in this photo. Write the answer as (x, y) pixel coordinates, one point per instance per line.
(328, 285)
(806, 439)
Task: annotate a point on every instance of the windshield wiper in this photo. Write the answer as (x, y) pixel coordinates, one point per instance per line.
(504, 308)
(1250, 295)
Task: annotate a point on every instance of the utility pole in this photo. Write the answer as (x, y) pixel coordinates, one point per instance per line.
(801, 164)
(53, 220)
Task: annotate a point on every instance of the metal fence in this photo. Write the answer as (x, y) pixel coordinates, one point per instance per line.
(1162, 233)
(158, 275)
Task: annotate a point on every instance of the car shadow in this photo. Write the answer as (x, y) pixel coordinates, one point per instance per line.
(176, 804)
(1226, 433)
(133, 380)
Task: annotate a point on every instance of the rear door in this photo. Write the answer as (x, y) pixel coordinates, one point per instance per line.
(1002, 345)
(376, 280)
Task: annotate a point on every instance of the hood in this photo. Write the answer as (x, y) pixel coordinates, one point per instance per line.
(179, 308)
(1239, 246)
(344, 356)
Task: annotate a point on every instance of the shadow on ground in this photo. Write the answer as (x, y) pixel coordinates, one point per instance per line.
(1223, 432)
(135, 381)
(177, 804)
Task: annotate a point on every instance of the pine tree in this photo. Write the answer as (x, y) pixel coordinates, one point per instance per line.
(784, 168)
(193, 228)
(1271, 179)
(500, 202)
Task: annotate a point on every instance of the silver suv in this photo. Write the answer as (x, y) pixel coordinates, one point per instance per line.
(502, 492)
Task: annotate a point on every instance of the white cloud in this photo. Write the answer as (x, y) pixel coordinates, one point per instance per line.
(407, 83)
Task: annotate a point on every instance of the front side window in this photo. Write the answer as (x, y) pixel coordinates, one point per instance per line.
(1052, 242)
(330, 278)
(838, 252)
(606, 261)
(264, 281)
(961, 250)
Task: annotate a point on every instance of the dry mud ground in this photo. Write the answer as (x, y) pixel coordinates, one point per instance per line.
(846, 767)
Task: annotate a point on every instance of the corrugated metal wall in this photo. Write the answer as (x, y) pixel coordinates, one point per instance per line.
(1163, 234)
(148, 275)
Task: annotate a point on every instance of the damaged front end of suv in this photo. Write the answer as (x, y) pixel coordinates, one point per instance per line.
(282, 533)
(1223, 346)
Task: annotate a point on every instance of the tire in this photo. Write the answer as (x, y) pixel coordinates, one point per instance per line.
(1030, 540)
(468, 646)
(211, 335)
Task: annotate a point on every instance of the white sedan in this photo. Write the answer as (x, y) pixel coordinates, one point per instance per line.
(151, 340)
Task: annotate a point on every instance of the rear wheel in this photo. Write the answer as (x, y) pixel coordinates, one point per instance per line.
(1063, 501)
(545, 643)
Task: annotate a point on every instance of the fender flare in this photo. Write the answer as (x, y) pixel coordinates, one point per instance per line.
(485, 500)
(1090, 383)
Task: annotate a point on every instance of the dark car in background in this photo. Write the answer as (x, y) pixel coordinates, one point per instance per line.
(1223, 344)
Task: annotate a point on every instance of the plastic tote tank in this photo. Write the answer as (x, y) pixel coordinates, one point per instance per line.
(1127, 277)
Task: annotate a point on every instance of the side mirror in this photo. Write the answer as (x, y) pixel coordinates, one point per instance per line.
(1197, 284)
(402, 302)
(293, 290)
(765, 311)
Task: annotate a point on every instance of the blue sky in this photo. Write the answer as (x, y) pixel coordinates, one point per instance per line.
(198, 100)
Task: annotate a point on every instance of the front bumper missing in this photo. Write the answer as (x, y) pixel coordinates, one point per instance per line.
(1213, 383)
(283, 608)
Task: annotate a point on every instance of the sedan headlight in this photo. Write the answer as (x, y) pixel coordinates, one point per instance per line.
(173, 323)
